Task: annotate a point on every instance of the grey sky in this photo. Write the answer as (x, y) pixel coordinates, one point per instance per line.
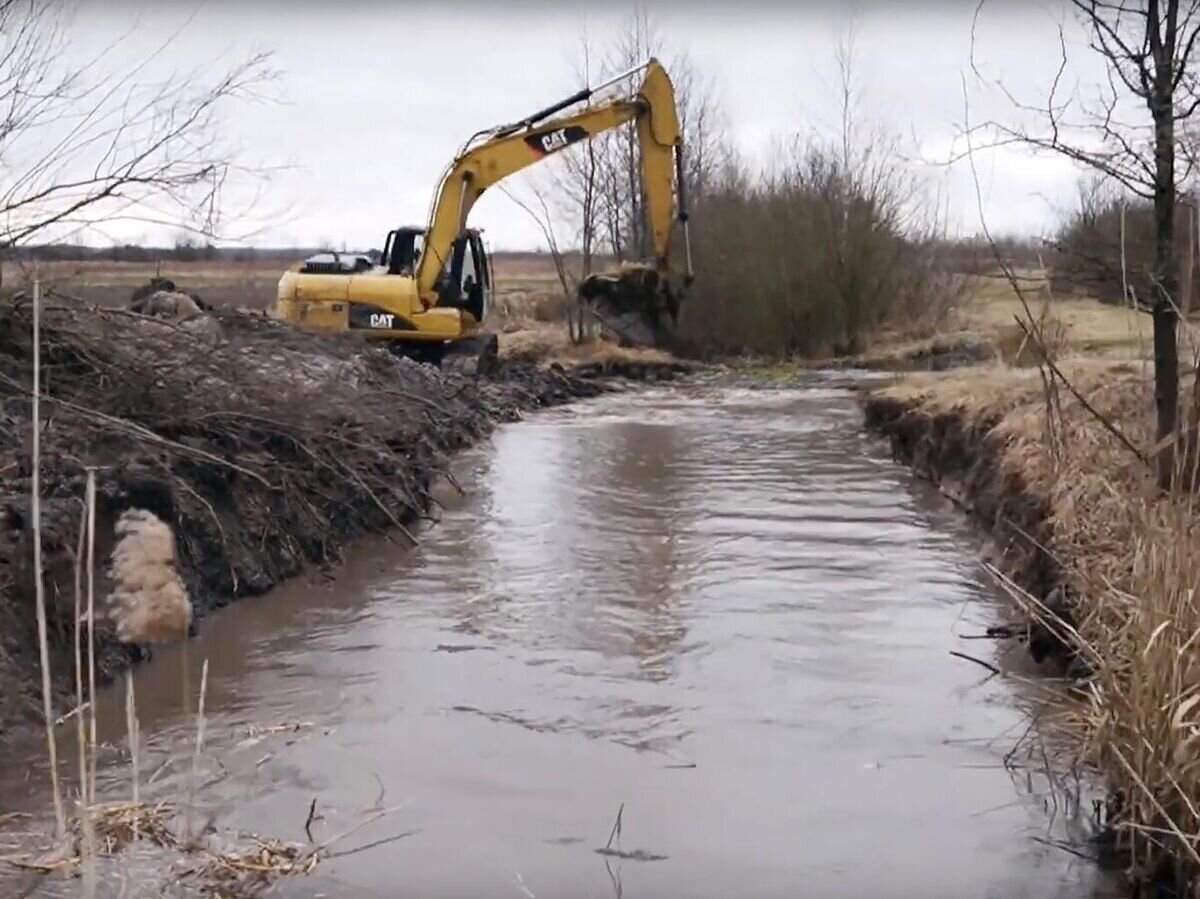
(378, 96)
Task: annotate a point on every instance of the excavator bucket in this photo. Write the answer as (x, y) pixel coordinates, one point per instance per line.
(637, 302)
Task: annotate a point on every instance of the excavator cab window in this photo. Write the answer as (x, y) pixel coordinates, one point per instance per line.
(465, 281)
(474, 277)
(402, 251)
(481, 299)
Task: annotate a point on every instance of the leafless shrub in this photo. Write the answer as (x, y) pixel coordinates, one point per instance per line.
(836, 240)
(813, 257)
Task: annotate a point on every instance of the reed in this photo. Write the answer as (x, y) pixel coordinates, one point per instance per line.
(39, 581)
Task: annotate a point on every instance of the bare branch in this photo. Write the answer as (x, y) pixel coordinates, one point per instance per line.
(79, 142)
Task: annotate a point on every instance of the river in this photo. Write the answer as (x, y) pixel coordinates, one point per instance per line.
(723, 612)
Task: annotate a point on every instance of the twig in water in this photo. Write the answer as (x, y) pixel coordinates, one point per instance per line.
(316, 850)
(614, 879)
(616, 829)
(312, 811)
(1058, 844)
(999, 635)
(396, 837)
(199, 747)
(524, 889)
(988, 665)
(64, 718)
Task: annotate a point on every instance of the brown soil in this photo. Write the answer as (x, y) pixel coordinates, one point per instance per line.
(965, 456)
(267, 449)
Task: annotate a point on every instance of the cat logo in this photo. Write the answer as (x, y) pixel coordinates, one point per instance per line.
(555, 140)
(382, 319)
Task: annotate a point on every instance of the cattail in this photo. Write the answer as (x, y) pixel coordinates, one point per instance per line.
(149, 603)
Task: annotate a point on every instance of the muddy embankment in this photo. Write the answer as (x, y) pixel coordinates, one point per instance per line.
(964, 456)
(266, 449)
(1057, 471)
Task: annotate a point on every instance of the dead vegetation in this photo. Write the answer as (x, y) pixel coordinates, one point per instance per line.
(210, 863)
(215, 467)
(148, 603)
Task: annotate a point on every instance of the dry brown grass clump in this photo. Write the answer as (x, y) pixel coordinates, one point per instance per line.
(537, 342)
(149, 602)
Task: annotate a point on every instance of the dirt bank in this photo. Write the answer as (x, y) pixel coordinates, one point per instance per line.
(1054, 489)
(1060, 477)
(966, 456)
(265, 448)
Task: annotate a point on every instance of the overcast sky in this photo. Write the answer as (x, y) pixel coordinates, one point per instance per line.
(375, 98)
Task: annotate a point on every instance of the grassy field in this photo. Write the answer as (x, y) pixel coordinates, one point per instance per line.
(982, 326)
(1083, 324)
(520, 277)
(529, 309)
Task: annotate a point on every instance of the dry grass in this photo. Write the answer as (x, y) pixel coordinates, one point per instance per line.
(238, 285)
(1087, 326)
(542, 342)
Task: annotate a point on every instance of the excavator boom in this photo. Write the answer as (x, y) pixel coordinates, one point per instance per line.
(495, 154)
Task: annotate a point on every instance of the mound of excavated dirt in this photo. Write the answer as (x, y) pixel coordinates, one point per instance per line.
(265, 448)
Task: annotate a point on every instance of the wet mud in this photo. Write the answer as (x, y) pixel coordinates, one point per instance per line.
(965, 458)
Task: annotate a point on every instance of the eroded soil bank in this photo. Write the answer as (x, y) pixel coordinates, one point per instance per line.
(966, 458)
(1061, 472)
(266, 449)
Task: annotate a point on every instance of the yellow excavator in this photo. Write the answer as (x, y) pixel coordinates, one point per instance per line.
(430, 289)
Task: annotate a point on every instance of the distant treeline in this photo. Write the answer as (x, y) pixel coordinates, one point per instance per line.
(135, 253)
(206, 252)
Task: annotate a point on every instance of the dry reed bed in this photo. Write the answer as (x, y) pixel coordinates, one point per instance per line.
(1072, 505)
(266, 449)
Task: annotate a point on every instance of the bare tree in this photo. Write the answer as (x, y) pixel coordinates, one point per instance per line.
(86, 142)
(597, 184)
(1146, 46)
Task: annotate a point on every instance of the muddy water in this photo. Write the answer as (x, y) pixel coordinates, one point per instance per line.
(724, 611)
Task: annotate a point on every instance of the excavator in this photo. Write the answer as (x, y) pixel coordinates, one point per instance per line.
(429, 291)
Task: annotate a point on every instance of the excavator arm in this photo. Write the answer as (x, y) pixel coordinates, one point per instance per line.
(497, 153)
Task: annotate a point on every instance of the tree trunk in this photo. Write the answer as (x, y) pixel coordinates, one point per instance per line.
(1166, 271)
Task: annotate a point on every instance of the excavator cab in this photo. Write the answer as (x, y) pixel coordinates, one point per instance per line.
(465, 281)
